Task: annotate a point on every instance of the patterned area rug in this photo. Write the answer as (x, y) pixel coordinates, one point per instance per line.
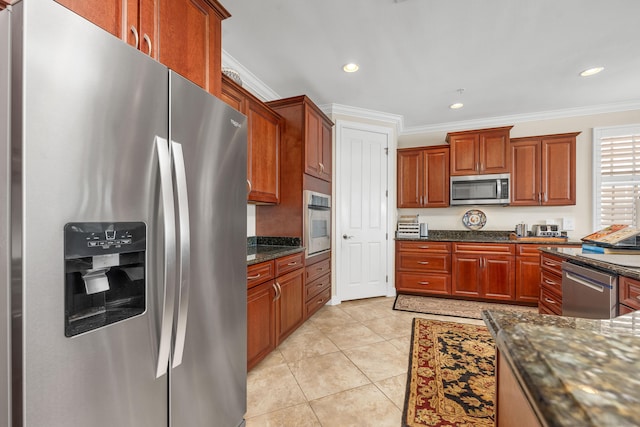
(452, 307)
(451, 379)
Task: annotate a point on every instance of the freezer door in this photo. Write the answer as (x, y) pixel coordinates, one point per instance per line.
(83, 151)
(208, 387)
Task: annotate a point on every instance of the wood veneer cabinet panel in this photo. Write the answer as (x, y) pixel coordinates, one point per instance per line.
(544, 170)
(261, 322)
(630, 292)
(512, 405)
(483, 270)
(480, 152)
(423, 177)
(410, 179)
(290, 308)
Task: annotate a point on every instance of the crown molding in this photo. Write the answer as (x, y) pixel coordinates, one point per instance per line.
(249, 80)
(520, 118)
(338, 109)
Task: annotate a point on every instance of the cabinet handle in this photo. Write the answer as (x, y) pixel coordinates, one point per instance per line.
(423, 283)
(549, 301)
(135, 35)
(319, 268)
(278, 289)
(319, 285)
(148, 40)
(254, 277)
(638, 297)
(550, 264)
(423, 262)
(424, 247)
(549, 282)
(545, 197)
(293, 263)
(249, 184)
(321, 167)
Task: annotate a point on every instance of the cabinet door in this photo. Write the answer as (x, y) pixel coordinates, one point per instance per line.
(188, 40)
(464, 154)
(410, 179)
(558, 176)
(261, 322)
(498, 277)
(326, 166)
(493, 152)
(527, 279)
(263, 163)
(466, 275)
(313, 142)
(107, 14)
(436, 177)
(525, 177)
(290, 304)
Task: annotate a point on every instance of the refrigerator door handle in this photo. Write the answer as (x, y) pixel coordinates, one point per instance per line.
(184, 261)
(169, 288)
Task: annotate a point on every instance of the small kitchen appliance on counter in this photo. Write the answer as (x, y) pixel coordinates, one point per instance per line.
(408, 226)
(545, 230)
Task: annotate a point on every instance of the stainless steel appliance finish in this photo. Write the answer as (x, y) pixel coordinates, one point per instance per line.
(317, 223)
(102, 133)
(588, 293)
(480, 189)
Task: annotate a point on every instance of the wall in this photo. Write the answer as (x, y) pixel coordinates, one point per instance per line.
(505, 218)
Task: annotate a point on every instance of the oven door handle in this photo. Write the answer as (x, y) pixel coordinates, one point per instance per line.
(592, 285)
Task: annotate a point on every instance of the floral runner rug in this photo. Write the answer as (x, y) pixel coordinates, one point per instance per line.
(451, 379)
(452, 307)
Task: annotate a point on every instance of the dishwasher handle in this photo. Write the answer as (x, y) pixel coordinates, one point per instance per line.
(596, 286)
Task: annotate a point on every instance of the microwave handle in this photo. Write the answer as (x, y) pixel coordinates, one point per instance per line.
(499, 192)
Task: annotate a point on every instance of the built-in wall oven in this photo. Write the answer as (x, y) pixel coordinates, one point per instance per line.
(317, 223)
(588, 292)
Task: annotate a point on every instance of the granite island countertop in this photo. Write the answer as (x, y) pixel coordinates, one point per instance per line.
(261, 249)
(575, 372)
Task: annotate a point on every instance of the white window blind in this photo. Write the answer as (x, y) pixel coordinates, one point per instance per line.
(617, 175)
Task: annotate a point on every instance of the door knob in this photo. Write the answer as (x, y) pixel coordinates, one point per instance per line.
(344, 236)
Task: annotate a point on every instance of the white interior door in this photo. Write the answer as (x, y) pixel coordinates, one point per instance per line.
(362, 213)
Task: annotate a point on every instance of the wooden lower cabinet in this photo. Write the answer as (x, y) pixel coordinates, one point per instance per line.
(275, 306)
(423, 267)
(550, 301)
(629, 295)
(483, 271)
(512, 406)
(317, 283)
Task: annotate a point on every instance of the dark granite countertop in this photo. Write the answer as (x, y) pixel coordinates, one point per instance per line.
(261, 249)
(575, 372)
(620, 264)
(488, 236)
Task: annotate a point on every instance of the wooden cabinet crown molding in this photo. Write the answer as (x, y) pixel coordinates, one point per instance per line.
(475, 131)
(300, 99)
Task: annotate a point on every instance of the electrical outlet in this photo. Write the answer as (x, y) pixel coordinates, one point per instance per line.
(568, 224)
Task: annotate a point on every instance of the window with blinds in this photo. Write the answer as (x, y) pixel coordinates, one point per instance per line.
(616, 175)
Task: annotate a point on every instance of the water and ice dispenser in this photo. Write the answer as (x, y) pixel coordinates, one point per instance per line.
(104, 274)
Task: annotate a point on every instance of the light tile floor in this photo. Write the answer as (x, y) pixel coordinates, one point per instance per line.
(346, 366)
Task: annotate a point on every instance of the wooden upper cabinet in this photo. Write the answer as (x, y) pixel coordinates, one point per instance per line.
(544, 170)
(306, 123)
(263, 142)
(480, 152)
(423, 177)
(184, 35)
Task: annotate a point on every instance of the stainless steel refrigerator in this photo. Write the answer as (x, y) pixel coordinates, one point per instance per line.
(123, 234)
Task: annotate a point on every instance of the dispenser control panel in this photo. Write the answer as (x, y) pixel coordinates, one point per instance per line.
(100, 238)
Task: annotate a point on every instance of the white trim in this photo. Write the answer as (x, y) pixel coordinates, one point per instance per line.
(392, 144)
(338, 109)
(519, 118)
(249, 80)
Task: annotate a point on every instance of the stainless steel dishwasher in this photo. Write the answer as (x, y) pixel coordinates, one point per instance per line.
(588, 292)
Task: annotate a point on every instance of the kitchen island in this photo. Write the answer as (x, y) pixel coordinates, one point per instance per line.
(571, 371)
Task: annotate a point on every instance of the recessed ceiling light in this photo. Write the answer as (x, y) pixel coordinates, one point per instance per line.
(456, 106)
(591, 71)
(350, 67)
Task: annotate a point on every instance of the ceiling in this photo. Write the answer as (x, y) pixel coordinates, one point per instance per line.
(511, 57)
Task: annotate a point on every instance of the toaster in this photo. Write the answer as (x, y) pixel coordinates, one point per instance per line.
(545, 230)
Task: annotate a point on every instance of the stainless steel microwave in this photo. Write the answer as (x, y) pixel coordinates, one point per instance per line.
(480, 189)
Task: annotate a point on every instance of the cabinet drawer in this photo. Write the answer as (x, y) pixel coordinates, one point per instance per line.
(623, 309)
(552, 282)
(316, 286)
(630, 292)
(413, 261)
(289, 263)
(484, 248)
(425, 246)
(550, 300)
(314, 271)
(259, 273)
(427, 283)
(317, 302)
(551, 263)
(528, 250)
